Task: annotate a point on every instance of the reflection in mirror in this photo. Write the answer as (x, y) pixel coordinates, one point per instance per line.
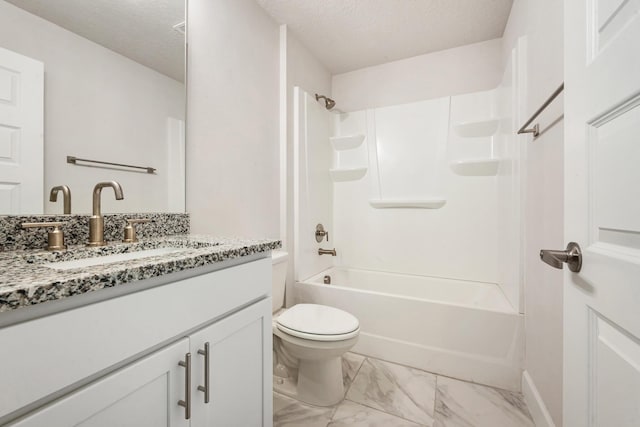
(100, 80)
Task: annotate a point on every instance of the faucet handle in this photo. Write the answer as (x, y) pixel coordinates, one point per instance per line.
(321, 233)
(55, 237)
(130, 229)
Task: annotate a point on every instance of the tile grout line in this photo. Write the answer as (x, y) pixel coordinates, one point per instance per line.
(355, 376)
(305, 406)
(435, 399)
(473, 382)
(496, 392)
(402, 389)
(393, 380)
(366, 358)
(443, 375)
(437, 393)
(335, 409)
(383, 412)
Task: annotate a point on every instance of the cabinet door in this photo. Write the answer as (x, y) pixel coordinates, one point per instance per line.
(143, 394)
(240, 378)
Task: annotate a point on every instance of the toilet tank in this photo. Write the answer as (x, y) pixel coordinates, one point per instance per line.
(278, 278)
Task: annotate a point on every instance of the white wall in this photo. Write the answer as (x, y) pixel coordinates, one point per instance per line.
(541, 21)
(449, 72)
(98, 105)
(298, 68)
(233, 105)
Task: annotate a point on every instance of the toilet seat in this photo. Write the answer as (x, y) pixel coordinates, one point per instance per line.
(318, 323)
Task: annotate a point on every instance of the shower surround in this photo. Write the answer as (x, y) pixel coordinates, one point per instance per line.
(421, 201)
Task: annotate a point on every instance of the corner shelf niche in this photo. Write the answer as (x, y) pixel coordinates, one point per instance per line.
(350, 174)
(350, 142)
(476, 167)
(478, 129)
(435, 203)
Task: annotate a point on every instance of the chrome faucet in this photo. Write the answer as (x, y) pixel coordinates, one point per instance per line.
(96, 222)
(66, 193)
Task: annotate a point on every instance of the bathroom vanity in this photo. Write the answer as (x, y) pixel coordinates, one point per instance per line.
(176, 333)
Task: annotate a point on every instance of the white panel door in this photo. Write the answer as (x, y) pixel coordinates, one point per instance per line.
(602, 213)
(240, 371)
(21, 134)
(143, 394)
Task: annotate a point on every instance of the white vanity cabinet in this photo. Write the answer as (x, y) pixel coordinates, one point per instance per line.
(117, 362)
(143, 394)
(238, 347)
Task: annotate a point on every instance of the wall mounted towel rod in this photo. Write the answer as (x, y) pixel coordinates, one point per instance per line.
(535, 130)
(73, 160)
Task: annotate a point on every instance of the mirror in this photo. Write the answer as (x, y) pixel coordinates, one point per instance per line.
(99, 80)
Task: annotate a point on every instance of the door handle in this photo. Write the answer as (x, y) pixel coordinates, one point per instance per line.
(206, 388)
(186, 404)
(572, 256)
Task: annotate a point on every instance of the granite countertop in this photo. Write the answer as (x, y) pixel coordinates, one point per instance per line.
(25, 280)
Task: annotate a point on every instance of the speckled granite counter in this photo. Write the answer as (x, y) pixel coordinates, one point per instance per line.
(25, 280)
(76, 228)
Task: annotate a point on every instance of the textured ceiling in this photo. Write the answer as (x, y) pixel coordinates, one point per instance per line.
(346, 35)
(139, 30)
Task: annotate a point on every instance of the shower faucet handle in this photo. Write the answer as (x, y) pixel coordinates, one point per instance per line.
(321, 233)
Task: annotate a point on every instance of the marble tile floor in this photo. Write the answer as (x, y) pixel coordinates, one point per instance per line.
(384, 394)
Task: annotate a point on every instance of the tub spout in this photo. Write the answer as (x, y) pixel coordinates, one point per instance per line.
(331, 252)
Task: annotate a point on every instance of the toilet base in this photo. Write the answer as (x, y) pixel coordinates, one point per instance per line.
(320, 382)
(317, 389)
(286, 386)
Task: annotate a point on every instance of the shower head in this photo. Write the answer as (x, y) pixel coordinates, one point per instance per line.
(328, 102)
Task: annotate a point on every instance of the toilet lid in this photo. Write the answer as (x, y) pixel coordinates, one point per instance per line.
(314, 319)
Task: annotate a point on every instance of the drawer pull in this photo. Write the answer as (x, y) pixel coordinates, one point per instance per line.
(206, 389)
(186, 404)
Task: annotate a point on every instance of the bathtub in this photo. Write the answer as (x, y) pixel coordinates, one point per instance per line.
(461, 329)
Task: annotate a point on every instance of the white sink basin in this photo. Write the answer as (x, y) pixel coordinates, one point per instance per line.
(108, 259)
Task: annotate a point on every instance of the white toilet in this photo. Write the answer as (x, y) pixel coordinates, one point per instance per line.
(312, 339)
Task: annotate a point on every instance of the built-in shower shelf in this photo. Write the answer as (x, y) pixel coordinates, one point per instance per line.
(434, 203)
(351, 174)
(476, 167)
(477, 129)
(346, 142)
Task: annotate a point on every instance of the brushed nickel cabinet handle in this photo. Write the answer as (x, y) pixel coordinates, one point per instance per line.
(186, 404)
(206, 389)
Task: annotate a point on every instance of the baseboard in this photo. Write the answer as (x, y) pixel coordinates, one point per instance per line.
(537, 408)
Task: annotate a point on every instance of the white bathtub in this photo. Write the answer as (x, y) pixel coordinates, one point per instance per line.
(465, 330)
